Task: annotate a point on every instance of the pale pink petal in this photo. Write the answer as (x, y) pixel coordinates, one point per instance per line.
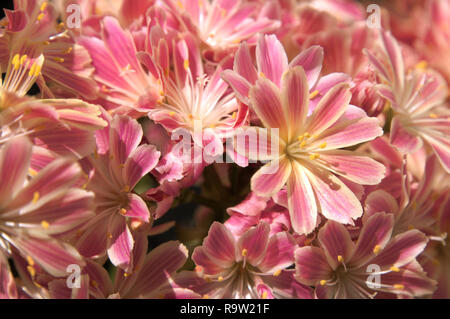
(311, 265)
(243, 64)
(219, 245)
(375, 234)
(330, 108)
(137, 208)
(125, 135)
(336, 201)
(270, 178)
(15, 159)
(252, 205)
(380, 201)
(279, 253)
(141, 161)
(403, 140)
(271, 58)
(240, 85)
(358, 169)
(301, 201)
(255, 242)
(401, 250)
(311, 60)
(295, 96)
(121, 242)
(159, 263)
(53, 256)
(265, 100)
(335, 239)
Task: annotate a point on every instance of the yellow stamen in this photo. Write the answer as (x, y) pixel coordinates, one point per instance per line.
(205, 297)
(314, 156)
(323, 282)
(190, 116)
(277, 273)
(15, 61)
(313, 94)
(180, 5)
(30, 261)
(23, 59)
(109, 235)
(123, 211)
(40, 16)
(220, 278)
(172, 113)
(94, 283)
(399, 287)
(125, 274)
(262, 75)
(323, 145)
(264, 295)
(58, 59)
(126, 189)
(32, 172)
(32, 69)
(45, 224)
(307, 135)
(234, 115)
(410, 227)
(69, 49)
(422, 65)
(46, 43)
(43, 6)
(395, 269)
(303, 144)
(31, 270)
(340, 258)
(35, 197)
(186, 64)
(376, 249)
(244, 252)
(433, 116)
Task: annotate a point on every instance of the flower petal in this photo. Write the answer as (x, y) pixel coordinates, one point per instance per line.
(301, 201)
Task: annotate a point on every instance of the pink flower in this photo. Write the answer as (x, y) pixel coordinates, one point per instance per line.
(32, 31)
(252, 265)
(196, 102)
(152, 276)
(37, 207)
(340, 268)
(417, 208)
(118, 165)
(222, 24)
(308, 156)
(125, 86)
(417, 101)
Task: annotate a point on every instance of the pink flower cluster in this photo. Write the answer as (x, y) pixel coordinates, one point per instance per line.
(312, 138)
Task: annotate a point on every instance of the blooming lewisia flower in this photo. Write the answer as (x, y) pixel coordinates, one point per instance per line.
(125, 86)
(36, 206)
(200, 104)
(308, 157)
(249, 266)
(340, 268)
(222, 24)
(417, 99)
(119, 163)
(31, 30)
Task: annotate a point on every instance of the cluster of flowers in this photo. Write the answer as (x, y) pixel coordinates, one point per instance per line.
(352, 201)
